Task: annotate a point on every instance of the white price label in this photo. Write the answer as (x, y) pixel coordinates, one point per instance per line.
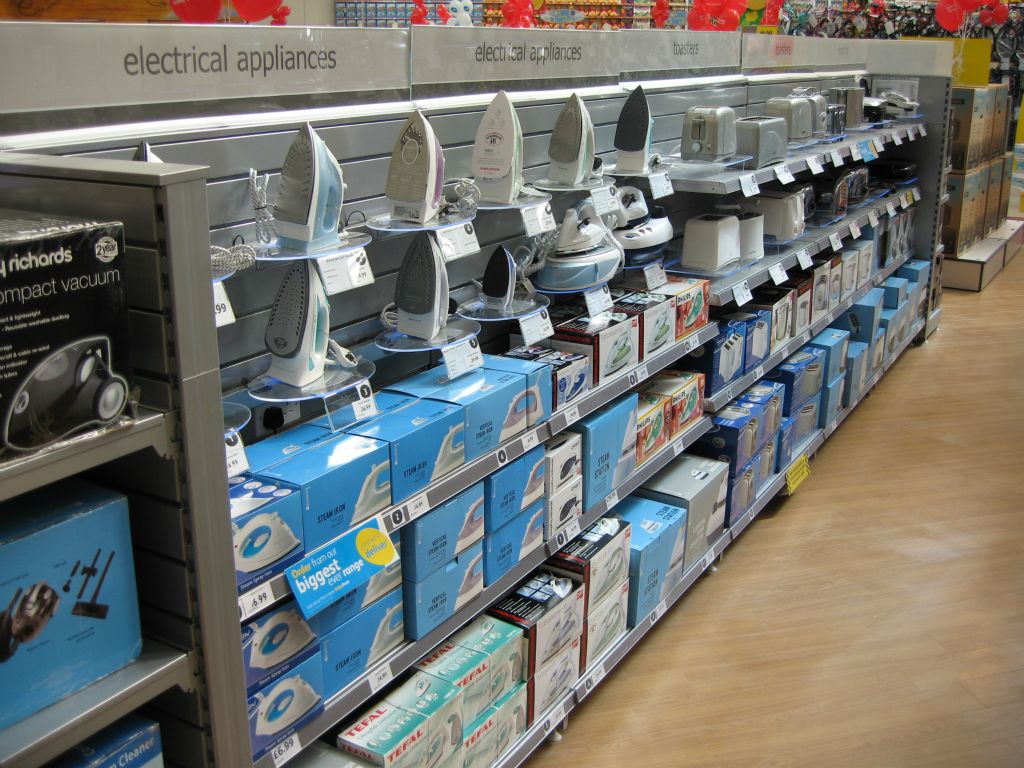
(572, 530)
(365, 405)
(709, 559)
(916, 194)
(837, 159)
(223, 314)
(661, 185)
(256, 600)
(836, 241)
(286, 750)
(638, 375)
(458, 241)
(783, 174)
(418, 507)
(678, 447)
(890, 208)
(855, 154)
(854, 230)
(359, 271)
(741, 294)
(598, 300)
(832, 427)
(904, 201)
(748, 183)
(814, 163)
(604, 200)
(758, 373)
(380, 677)
(872, 218)
(538, 219)
(611, 500)
(659, 611)
(530, 441)
(654, 276)
(922, 130)
(554, 719)
(595, 677)
(343, 272)
(896, 138)
(572, 415)
(803, 258)
(805, 337)
(536, 327)
(234, 451)
(462, 358)
(778, 273)
(879, 145)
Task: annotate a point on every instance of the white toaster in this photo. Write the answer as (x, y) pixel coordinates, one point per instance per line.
(751, 235)
(797, 111)
(820, 105)
(709, 133)
(760, 338)
(783, 213)
(730, 357)
(762, 137)
(711, 241)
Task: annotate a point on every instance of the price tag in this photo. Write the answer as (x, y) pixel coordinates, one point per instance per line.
(748, 184)
(572, 415)
(855, 154)
(595, 677)
(658, 612)
(759, 373)
(832, 427)
(890, 208)
(661, 185)
(223, 314)
(538, 219)
(879, 145)
(814, 163)
(805, 337)
(555, 719)
(778, 273)
(741, 294)
(854, 230)
(530, 441)
(380, 677)
(922, 130)
(896, 138)
(598, 300)
(418, 507)
(904, 201)
(837, 159)
(709, 559)
(256, 600)
(343, 272)
(836, 241)
(604, 200)
(611, 500)
(638, 375)
(458, 241)
(654, 276)
(286, 750)
(678, 447)
(803, 258)
(234, 450)
(783, 174)
(872, 218)
(916, 194)
(462, 358)
(798, 471)
(536, 327)
(365, 405)
(572, 530)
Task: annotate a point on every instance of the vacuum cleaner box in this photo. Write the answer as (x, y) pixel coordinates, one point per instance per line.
(468, 669)
(656, 313)
(658, 533)
(509, 714)
(440, 702)
(517, 538)
(274, 644)
(350, 604)
(64, 313)
(570, 372)
(549, 610)
(802, 373)
(480, 744)
(699, 486)
(685, 392)
(538, 384)
(721, 359)
(652, 424)
(440, 594)
(609, 447)
(895, 291)
(131, 742)
(513, 488)
(284, 706)
(432, 540)
(758, 336)
(610, 341)
(734, 434)
(605, 624)
(863, 317)
(598, 558)
(787, 435)
(856, 372)
(426, 439)
(503, 645)
(388, 736)
(553, 680)
(348, 650)
(564, 506)
(563, 461)
(266, 524)
(834, 343)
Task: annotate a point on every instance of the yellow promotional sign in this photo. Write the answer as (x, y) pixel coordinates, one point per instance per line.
(970, 59)
(799, 471)
(763, 29)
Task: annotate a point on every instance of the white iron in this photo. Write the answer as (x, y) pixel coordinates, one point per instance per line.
(310, 195)
(634, 133)
(416, 172)
(375, 493)
(498, 152)
(647, 230)
(144, 153)
(452, 452)
(285, 704)
(571, 151)
(264, 539)
(421, 293)
(582, 229)
(279, 639)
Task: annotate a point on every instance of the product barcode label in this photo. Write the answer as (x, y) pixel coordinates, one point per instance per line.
(359, 270)
(836, 241)
(783, 174)
(896, 138)
(255, 600)
(223, 314)
(803, 258)
(536, 327)
(814, 163)
(538, 219)
(604, 200)
(855, 154)
(598, 300)
(678, 447)
(854, 230)
(778, 273)
(462, 358)
(286, 750)
(872, 218)
(458, 241)
(594, 678)
(741, 293)
(837, 159)
(234, 452)
(661, 185)
(748, 183)
(905, 200)
(572, 530)
(380, 677)
(654, 276)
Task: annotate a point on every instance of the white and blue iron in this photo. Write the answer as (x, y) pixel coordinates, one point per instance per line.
(571, 150)
(264, 539)
(416, 172)
(375, 493)
(389, 634)
(421, 293)
(452, 453)
(634, 133)
(473, 525)
(498, 152)
(284, 705)
(585, 256)
(279, 639)
(144, 153)
(309, 199)
(646, 231)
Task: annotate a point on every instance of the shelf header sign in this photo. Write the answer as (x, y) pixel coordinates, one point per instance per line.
(665, 50)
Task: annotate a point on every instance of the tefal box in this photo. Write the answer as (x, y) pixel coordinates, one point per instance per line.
(599, 558)
(538, 402)
(68, 579)
(440, 702)
(609, 447)
(440, 594)
(652, 424)
(610, 341)
(513, 488)
(388, 736)
(605, 624)
(348, 650)
(563, 461)
(570, 372)
(862, 318)
(275, 643)
(517, 538)
(434, 539)
(658, 533)
(564, 506)
(721, 359)
(480, 744)
(685, 393)
(509, 714)
(266, 528)
(656, 313)
(803, 374)
(468, 669)
(65, 319)
(283, 707)
(554, 679)
(503, 645)
(833, 342)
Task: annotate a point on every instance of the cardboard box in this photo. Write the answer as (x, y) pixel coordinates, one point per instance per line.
(720, 360)
(894, 290)
(317, 754)
(833, 342)
(787, 442)
(803, 284)
(570, 372)
(275, 643)
(609, 447)
(300, 695)
(781, 301)
(765, 465)
(856, 372)
(692, 298)
(463, 667)
(758, 336)
(564, 506)
(349, 649)
(970, 127)
(510, 718)
(652, 425)
(685, 392)
(803, 374)
(656, 313)
(658, 535)
(610, 342)
(877, 351)
(831, 400)
(733, 438)
(513, 488)
(131, 742)
(440, 703)
(1000, 119)
(743, 490)
(554, 679)
(438, 595)
(865, 260)
(771, 394)
(434, 539)
(956, 214)
(851, 260)
(481, 741)
(350, 604)
(517, 538)
(539, 402)
(503, 645)
(981, 203)
(258, 506)
(993, 194)
(563, 461)
(598, 558)
(819, 290)
(861, 319)
(1004, 192)
(388, 736)
(605, 624)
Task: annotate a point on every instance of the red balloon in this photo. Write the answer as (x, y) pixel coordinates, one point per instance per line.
(1000, 13)
(256, 10)
(727, 20)
(969, 6)
(740, 6)
(196, 11)
(985, 17)
(697, 19)
(949, 15)
(713, 7)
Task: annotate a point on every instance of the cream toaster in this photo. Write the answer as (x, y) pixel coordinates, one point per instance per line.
(711, 241)
(783, 213)
(797, 111)
(762, 137)
(709, 133)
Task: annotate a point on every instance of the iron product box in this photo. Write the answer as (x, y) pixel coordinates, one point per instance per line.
(288, 444)
(570, 372)
(283, 707)
(433, 599)
(657, 550)
(349, 649)
(863, 317)
(469, 670)
(609, 447)
(440, 702)
(539, 403)
(743, 490)
(803, 374)
(605, 624)
(721, 359)
(554, 679)
(481, 741)
(564, 506)
(895, 291)
(563, 461)
(510, 719)
(503, 645)
(692, 298)
(654, 412)
(517, 538)
(856, 372)
(734, 434)
(266, 528)
(434, 539)
(513, 489)
(317, 754)
(387, 736)
(787, 441)
(610, 341)
(599, 558)
(685, 393)
(65, 345)
(274, 644)
(131, 742)
(833, 342)
(656, 313)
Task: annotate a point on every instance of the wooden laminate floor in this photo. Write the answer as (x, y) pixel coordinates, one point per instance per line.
(874, 619)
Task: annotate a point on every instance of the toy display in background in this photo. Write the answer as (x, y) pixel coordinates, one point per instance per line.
(716, 15)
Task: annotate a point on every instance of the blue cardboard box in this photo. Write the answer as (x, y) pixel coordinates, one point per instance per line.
(734, 434)
(771, 394)
(743, 489)
(512, 542)
(862, 318)
(765, 464)
(876, 353)
(539, 402)
(283, 707)
(856, 372)
(721, 359)
(806, 420)
(802, 374)
(890, 323)
(348, 650)
(434, 539)
(831, 400)
(432, 600)
(342, 417)
(426, 440)
(757, 336)
(275, 643)
(284, 445)
(609, 447)
(895, 289)
(655, 529)
(266, 528)
(833, 342)
(787, 433)
(131, 742)
(495, 404)
(513, 488)
(916, 271)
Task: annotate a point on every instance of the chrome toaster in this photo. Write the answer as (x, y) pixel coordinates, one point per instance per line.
(853, 100)
(797, 111)
(762, 137)
(709, 133)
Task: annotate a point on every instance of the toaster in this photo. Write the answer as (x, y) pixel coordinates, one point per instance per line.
(783, 213)
(762, 137)
(711, 241)
(751, 235)
(797, 111)
(833, 194)
(857, 182)
(896, 170)
(730, 358)
(808, 196)
(819, 104)
(760, 336)
(709, 133)
(874, 109)
(835, 123)
(851, 98)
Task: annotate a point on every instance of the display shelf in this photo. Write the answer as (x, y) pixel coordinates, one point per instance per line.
(718, 400)
(45, 735)
(394, 517)
(77, 454)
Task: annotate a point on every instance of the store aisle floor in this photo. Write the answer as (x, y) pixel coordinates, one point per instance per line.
(876, 618)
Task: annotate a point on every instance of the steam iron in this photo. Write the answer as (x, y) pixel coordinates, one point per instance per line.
(279, 639)
(285, 704)
(416, 172)
(534, 490)
(620, 354)
(581, 229)
(474, 523)
(71, 389)
(375, 493)
(452, 452)
(534, 533)
(498, 152)
(580, 262)
(309, 199)
(646, 232)
(661, 334)
(389, 634)
(499, 283)
(571, 151)
(261, 541)
(473, 581)
(633, 134)
(421, 293)
(144, 153)
(519, 411)
(298, 327)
